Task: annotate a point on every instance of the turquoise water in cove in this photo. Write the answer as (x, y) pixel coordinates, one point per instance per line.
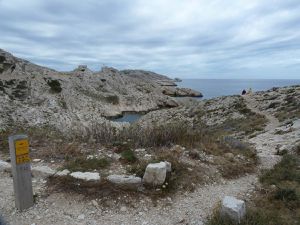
(211, 88)
(128, 117)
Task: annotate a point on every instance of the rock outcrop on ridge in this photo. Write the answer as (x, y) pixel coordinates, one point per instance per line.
(35, 95)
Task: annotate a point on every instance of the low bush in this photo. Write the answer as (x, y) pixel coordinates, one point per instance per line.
(285, 170)
(85, 165)
(129, 156)
(286, 194)
(55, 86)
(112, 99)
(272, 205)
(253, 217)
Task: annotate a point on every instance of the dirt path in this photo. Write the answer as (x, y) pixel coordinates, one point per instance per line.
(266, 143)
(253, 105)
(59, 208)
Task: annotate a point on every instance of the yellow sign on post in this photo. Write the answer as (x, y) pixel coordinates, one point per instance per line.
(22, 151)
(21, 170)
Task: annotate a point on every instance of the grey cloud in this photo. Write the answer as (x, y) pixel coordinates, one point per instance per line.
(248, 40)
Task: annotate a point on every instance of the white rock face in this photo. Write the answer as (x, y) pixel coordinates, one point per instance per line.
(88, 176)
(155, 173)
(42, 171)
(63, 173)
(233, 208)
(4, 166)
(124, 180)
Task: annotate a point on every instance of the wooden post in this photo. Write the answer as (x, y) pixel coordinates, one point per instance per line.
(21, 169)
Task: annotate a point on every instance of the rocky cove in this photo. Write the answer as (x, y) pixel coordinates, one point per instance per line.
(64, 99)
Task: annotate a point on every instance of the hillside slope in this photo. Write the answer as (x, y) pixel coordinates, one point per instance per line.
(34, 95)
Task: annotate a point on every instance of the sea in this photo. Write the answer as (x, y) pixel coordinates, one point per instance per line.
(211, 88)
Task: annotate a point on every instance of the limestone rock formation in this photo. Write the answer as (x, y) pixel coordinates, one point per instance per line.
(33, 95)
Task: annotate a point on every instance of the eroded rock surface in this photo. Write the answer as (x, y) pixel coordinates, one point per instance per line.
(33, 95)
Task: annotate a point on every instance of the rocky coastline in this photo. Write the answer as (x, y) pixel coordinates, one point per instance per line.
(39, 96)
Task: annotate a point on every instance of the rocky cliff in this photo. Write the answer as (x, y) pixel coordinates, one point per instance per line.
(34, 95)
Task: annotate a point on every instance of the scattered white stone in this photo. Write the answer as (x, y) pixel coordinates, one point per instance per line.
(91, 157)
(63, 173)
(42, 171)
(233, 208)
(123, 209)
(36, 160)
(88, 176)
(296, 124)
(116, 156)
(155, 173)
(81, 217)
(95, 203)
(5, 166)
(124, 180)
(147, 157)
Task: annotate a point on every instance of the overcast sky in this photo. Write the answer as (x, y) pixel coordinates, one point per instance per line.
(183, 38)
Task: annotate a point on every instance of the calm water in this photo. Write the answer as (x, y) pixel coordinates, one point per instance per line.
(211, 88)
(128, 117)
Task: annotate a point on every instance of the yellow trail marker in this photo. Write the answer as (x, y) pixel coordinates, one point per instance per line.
(21, 169)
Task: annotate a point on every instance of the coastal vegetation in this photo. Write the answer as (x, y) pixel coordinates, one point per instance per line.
(277, 202)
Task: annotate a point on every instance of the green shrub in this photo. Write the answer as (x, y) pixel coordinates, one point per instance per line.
(112, 99)
(285, 170)
(254, 216)
(129, 156)
(55, 86)
(286, 194)
(138, 168)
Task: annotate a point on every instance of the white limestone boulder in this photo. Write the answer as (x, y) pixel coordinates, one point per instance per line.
(233, 208)
(42, 171)
(125, 181)
(63, 173)
(155, 173)
(5, 166)
(87, 176)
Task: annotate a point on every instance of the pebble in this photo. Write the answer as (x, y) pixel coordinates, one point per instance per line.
(81, 217)
(36, 160)
(123, 209)
(95, 203)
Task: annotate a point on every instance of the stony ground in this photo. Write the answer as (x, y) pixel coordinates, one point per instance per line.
(188, 208)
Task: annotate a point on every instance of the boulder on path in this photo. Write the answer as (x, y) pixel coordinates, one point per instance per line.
(125, 181)
(4, 166)
(63, 173)
(42, 171)
(155, 173)
(233, 208)
(87, 176)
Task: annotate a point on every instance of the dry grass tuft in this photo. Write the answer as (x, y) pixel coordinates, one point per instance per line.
(85, 165)
(278, 202)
